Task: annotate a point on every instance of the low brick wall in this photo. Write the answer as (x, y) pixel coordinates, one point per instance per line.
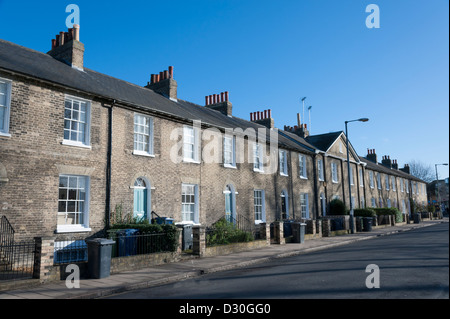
(234, 248)
(120, 264)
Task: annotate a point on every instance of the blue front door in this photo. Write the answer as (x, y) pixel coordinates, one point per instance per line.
(140, 203)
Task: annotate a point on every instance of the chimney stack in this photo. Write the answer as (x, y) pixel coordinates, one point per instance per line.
(406, 169)
(372, 156)
(386, 161)
(219, 102)
(299, 129)
(164, 84)
(67, 48)
(394, 164)
(263, 118)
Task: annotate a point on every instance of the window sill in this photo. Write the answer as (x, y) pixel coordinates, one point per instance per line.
(306, 178)
(76, 144)
(258, 170)
(188, 160)
(7, 135)
(72, 229)
(229, 166)
(188, 223)
(140, 153)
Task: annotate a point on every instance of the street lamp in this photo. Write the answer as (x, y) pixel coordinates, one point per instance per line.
(352, 224)
(437, 186)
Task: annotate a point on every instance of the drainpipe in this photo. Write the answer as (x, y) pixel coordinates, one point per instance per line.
(315, 177)
(108, 167)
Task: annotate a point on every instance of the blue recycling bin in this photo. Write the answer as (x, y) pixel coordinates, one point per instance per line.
(127, 242)
(164, 220)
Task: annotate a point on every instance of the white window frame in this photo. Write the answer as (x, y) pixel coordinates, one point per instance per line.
(194, 142)
(379, 186)
(394, 188)
(371, 180)
(259, 206)
(283, 162)
(194, 204)
(84, 227)
(361, 177)
(352, 182)
(386, 181)
(407, 186)
(149, 135)
(320, 169)
(87, 131)
(334, 173)
(7, 106)
(302, 166)
(229, 147)
(402, 189)
(304, 205)
(257, 157)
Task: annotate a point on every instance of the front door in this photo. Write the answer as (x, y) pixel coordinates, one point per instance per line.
(229, 205)
(140, 203)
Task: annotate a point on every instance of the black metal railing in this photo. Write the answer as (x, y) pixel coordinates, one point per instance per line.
(6, 240)
(20, 261)
(142, 244)
(70, 250)
(229, 230)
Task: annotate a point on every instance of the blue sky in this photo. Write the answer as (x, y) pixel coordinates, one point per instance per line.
(269, 54)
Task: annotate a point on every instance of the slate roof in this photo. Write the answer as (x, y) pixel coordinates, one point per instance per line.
(24, 61)
(28, 62)
(383, 169)
(323, 141)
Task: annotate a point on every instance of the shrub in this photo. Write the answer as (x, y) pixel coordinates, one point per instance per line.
(431, 208)
(364, 212)
(337, 207)
(390, 211)
(223, 232)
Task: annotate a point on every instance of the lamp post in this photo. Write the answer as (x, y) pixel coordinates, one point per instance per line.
(437, 185)
(352, 224)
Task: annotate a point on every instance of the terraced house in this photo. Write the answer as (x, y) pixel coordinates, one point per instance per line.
(75, 144)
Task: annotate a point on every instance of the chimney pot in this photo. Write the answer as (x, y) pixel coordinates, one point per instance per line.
(226, 96)
(251, 117)
(166, 75)
(269, 113)
(265, 114)
(61, 38)
(222, 96)
(71, 34)
(76, 33)
(53, 44)
(171, 72)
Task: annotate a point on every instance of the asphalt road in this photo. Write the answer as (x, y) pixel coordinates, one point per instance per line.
(412, 264)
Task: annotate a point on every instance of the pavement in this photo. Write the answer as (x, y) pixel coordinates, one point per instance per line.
(194, 267)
